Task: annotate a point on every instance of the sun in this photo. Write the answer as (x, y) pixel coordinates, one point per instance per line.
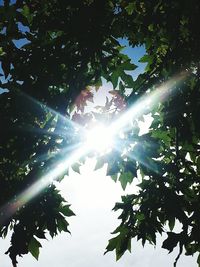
(100, 139)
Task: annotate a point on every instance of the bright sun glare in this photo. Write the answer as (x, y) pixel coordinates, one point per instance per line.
(99, 138)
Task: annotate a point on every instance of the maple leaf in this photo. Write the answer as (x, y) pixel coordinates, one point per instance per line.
(81, 100)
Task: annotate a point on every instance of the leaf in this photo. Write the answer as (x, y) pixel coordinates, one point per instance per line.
(198, 260)
(40, 234)
(76, 167)
(128, 79)
(99, 164)
(151, 27)
(130, 166)
(121, 87)
(113, 169)
(98, 85)
(171, 242)
(162, 135)
(129, 245)
(140, 216)
(27, 14)
(114, 177)
(128, 66)
(62, 225)
(146, 59)
(6, 67)
(81, 100)
(33, 247)
(125, 178)
(112, 244)
(2, 53)
(171, 223)
(130, 8)
(120, 243)
(65, 210)
(198, 165)
(114, 78)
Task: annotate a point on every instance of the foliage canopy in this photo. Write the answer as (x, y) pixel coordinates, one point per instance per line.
(50, 51)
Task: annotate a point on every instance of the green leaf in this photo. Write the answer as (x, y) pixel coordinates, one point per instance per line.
(114, 177)
(128, 79)
(33, 247)
(113, 169)
(112, 244)
(130, 166)
(40, 234)
(121, 87)
(151, 27)
(120, 243)
(62, 225)
(162, 135)
(129, 245)
(1, 51)
(198, 165)
(125, 178)
(26, 13)
(146, 59)
(130, 8)
(65, 210)
(171, 223)
(128, 66)
(114, 78)
(198, 260)
(140, 217)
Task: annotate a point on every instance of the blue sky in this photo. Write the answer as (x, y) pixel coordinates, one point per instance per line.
(11, 2)
(135, 53)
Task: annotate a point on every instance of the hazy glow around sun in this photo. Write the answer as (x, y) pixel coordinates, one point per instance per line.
(100, 138)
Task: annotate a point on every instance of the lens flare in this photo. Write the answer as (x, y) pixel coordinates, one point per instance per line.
(99, 139)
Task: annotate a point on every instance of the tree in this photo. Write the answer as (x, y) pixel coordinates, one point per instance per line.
(50, 52)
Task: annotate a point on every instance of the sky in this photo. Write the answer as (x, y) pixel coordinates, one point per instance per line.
(93, 195)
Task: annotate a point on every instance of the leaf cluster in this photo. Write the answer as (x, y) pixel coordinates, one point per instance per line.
(50, 52)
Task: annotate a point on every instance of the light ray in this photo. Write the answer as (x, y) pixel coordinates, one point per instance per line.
(44, 157)
(19, 201)
(146, 102)
(65, 120)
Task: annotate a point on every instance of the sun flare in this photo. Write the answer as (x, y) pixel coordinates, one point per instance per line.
(99, 138)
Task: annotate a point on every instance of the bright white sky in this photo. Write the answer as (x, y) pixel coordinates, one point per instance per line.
(93, 196)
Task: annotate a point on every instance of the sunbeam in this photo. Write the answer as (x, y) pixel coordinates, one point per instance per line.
(65, 121)
(18, 201)
(98, 139)
(147, 102)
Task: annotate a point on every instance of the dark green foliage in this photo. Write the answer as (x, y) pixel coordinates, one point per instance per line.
(168, 156)
(50, 51)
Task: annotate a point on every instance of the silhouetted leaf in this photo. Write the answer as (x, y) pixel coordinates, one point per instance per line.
(171, 242)
(66, 211)
(33, 247)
